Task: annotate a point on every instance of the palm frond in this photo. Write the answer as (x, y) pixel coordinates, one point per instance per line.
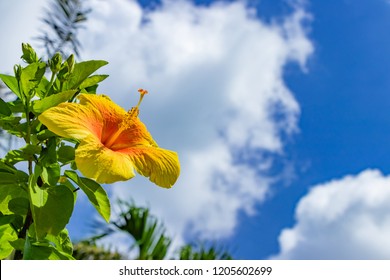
(62, 22)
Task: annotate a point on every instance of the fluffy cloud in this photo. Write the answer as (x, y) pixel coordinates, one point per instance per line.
(342, 219)
(217, 96)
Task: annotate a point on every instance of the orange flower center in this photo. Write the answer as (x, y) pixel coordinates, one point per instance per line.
(127, 120)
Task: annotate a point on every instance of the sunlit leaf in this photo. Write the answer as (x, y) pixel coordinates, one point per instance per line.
(62, 242)
(53, 100)
(7, 235)
(92, 80)
(12, 83)
(31, 76)
(51, 208)
(51, 173)
(82, 71)
(95, 193)
(43, 250)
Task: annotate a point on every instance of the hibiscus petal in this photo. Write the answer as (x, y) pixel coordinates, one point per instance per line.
(97, 162)
(159, 165)
(111, 113)
(71, 120)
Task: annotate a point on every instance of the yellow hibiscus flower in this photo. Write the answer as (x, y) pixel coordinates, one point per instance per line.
(113, 142)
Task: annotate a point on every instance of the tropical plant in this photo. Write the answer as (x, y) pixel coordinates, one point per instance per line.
(149, 239)
(89, 250)
(62, 136)
(203, 252)
(63, 19)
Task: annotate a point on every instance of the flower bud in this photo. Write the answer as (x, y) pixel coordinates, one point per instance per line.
(29, 55)
(55, 63)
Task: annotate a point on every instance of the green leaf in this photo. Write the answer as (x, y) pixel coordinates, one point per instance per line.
(19, 205)
(45, 134)
(92, 80)
(41, 105)
(11, 125)
(12, 83)
(62, 242)
(82, 71)
(7, 168)
(41, 89)
(4, 108)
(51, 173)
(31, 76)
(51, 208)
(95, 193)
(25, 153)
(17, 179)
(66, 154)
(16, 106)
(7, 235)
(18, 244)
(43, 250)
(15, 221)
(49, 153)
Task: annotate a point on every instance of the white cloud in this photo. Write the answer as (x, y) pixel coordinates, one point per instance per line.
(346, 218)
(215, 77)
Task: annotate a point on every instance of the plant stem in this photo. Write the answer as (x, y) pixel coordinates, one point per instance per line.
(50, 83)
(28, 221)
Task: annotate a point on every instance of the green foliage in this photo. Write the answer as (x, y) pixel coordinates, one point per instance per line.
(95, 193)
(201, 252)
(89, 250)
(149, 235)
(150, 241)
(37, 192)
(40, 105)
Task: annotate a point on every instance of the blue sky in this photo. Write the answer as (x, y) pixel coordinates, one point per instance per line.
(278, 110)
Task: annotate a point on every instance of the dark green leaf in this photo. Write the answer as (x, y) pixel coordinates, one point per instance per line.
(45, 134)
(16, 106)
(41, 105)
(49, 153)
(19, 205)
(66, 154)
(95, 193)
(7, 168)
(18, 244)
(17, 179)
(4, 108)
